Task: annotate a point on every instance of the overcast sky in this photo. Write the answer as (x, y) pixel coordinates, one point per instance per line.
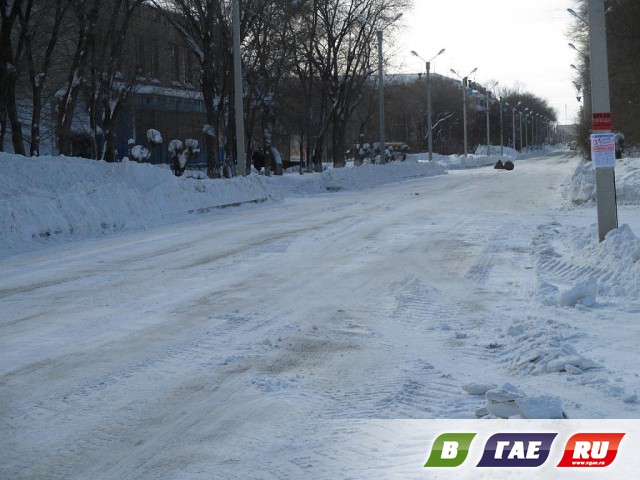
(509, 41)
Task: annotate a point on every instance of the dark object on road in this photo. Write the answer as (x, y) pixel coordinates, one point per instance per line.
(508, 165)
(499, 165)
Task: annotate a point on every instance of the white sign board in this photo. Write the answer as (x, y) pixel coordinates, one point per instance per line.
(603, 150)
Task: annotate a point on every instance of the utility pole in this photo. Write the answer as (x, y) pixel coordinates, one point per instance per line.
(429, 115)
(601, 111)
(238, 98)
(383, 152)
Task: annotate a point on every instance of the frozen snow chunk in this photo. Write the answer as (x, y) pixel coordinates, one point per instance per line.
(481, 412)
(503, 409)
(583, 293)
(545, 292)
(477, 388)
(573, 370)
(501, 402)
(544, 406)
(507, 392)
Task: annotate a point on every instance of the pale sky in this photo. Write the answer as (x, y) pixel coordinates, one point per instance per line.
(509, 41)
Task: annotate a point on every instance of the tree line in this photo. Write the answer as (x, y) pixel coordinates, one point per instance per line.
(308, 68)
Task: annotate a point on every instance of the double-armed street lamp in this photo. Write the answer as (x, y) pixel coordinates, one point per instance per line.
(514, 109)
(429, 120)
(464, 103)
(380, 33)
(488, 98)
(527, 112)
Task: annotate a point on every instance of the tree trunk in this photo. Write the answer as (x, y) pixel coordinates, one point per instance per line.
(16, 126)
(338, 146)
(36, 117)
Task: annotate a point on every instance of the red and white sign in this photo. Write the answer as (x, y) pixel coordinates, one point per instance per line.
(602, 121)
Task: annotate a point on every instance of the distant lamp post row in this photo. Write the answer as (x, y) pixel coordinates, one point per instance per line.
(464, 104)
(429, 119)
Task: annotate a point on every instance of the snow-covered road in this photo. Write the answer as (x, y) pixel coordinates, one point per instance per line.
(222, 347)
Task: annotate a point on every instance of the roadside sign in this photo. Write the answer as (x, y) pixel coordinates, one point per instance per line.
(603, 150)
(602, 121)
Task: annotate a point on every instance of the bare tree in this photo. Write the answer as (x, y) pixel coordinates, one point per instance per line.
(40, 30)
(9, 59)
(86, 16)
(340, 51)
(623, 44)
(110, 86)
(200, 23)
(269, 43)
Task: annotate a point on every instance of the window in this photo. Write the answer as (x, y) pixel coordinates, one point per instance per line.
(174, 59)
(141, 58)
(155, 58)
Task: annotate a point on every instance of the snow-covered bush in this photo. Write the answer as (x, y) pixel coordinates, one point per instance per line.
(140, 154)
(154, 137)
(181, 154)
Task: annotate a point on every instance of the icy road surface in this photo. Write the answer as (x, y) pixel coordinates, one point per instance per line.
(222, 348)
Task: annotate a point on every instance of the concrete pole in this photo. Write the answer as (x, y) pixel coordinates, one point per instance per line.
(383, 156)
(488, 97)
(601, 105)
(464, 113)
(520, 118)
(429, 120)
(238, 98)
(501, 129)
(513, 127)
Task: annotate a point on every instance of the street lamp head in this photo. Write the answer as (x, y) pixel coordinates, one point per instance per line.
(454, 72)
(397, 17)
(473, 71)
(440, 52)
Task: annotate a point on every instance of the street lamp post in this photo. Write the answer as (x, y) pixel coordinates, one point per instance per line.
(488, 109)
(464, 104)
(383, 153)
(501, 128)
(238, 94)
(526, 126)
(521, 136)
(429, 119)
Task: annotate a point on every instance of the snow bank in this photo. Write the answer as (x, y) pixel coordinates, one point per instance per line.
(480, 158)
(51, 200)
(352, 178)
(582, 189)
(572, 260)
(47, 200)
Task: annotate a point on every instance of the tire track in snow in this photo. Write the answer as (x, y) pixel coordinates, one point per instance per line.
(120, 407)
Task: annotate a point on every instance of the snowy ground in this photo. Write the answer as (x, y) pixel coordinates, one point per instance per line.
(233, 343)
